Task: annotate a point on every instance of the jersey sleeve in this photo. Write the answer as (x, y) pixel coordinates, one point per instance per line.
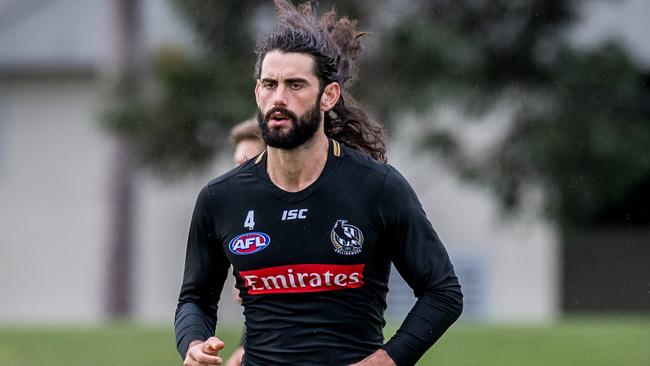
(206, 268)
(421, 259)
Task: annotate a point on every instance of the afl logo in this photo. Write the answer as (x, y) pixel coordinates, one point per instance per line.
(249, 243)
(347, 239)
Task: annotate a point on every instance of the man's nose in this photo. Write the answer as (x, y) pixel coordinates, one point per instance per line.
(280, 96)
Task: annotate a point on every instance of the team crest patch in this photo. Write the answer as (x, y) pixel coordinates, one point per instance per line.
(249, 243)
(347, 239)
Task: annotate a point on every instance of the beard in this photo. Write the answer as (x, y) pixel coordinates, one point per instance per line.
(301, 130)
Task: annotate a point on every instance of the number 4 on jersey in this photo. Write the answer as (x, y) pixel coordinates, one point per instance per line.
(250, 220)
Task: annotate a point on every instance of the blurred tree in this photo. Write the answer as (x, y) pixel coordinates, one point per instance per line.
(178, 122)
(575, 127)
(123, 67)
(581, 123)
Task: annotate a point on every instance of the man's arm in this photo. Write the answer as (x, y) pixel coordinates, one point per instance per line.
(206, 268)
(423, 262)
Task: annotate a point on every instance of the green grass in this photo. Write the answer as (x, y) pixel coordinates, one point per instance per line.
(573, 342)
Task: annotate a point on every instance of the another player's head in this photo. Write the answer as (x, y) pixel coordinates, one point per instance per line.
(302, 71)
(247, 139)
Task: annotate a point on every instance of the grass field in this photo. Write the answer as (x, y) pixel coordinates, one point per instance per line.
(572, 342)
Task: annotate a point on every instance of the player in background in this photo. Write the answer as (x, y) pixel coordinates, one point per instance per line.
(247, 139)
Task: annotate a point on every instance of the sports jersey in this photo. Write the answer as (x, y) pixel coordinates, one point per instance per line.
(313, 266)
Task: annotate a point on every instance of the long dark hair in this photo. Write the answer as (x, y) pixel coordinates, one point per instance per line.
(334, 45)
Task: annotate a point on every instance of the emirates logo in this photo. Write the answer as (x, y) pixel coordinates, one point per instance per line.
(300, 278)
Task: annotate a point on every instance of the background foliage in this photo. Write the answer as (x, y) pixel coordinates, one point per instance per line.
(577, 126)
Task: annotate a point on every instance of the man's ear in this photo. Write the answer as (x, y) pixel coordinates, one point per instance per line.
(331, 95)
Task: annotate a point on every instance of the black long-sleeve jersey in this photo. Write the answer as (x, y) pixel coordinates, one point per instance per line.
(312, 266)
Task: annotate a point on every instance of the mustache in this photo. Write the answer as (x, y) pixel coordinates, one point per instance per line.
(292, 116)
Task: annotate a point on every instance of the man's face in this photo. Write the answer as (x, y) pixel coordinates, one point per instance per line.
(288, 99)
(246, 149)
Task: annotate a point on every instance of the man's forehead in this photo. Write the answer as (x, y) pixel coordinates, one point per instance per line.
(277, 64)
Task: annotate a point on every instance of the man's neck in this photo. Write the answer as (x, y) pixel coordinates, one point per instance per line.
(294, 170)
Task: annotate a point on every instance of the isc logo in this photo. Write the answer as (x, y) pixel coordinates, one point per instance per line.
(294, 214)
(249, 243)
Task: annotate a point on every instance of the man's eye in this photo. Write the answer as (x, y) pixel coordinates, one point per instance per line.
(296, 86)
(269, 85)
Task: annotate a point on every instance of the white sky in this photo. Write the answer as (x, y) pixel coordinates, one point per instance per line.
(628, 20)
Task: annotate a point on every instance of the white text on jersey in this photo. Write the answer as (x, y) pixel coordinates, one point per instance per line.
(294, 214)
(250, 220)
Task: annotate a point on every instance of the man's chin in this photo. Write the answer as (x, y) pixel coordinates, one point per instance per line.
(279, 133)
(280, 143)
(283, 141)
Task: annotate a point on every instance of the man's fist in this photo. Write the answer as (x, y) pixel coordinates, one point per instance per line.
(204, 353)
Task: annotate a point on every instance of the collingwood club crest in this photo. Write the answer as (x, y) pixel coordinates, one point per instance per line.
(347, 239)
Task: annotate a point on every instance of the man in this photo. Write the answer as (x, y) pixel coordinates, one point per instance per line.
(312, 225)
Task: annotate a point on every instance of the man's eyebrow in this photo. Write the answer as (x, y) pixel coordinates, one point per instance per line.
(296, 80)
(286, 81)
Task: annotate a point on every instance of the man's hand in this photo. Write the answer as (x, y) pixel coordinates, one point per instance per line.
(204, 353)
(236, 357)
(379, 358)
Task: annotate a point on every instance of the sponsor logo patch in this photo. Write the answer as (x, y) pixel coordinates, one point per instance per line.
(302, 278)
(249, 243)
(347, 239)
